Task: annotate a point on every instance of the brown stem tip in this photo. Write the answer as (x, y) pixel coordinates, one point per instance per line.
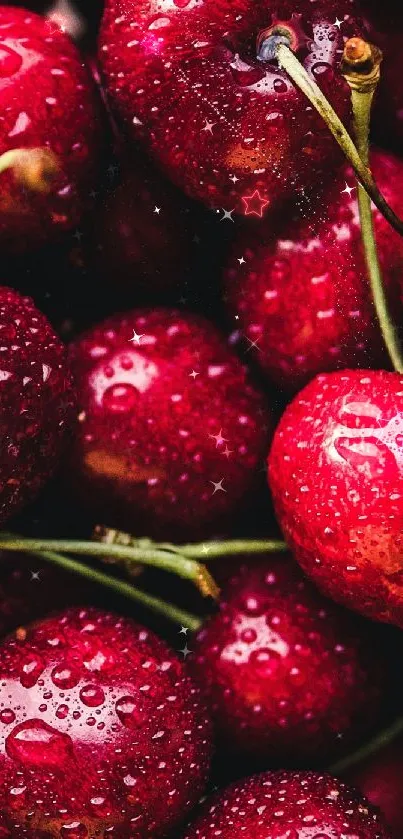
(361, 59)
(36, 169)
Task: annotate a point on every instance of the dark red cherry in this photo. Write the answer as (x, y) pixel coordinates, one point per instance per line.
(198, 84)
(335, 472)
(300, 292)
(101, 731)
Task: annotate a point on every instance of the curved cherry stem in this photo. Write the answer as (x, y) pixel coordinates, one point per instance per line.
(380, 741)
(361, 69)
(186, 568)
(155, 604)
(290, 63)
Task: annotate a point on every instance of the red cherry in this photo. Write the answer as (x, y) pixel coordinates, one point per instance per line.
(288, 805)
(172, 431)
(289, 676)
(37, 401)
(141, 244)
(380, 779)
(103, 731)
(47, 101)
(302, 296)
(335, 471)
(230, 129)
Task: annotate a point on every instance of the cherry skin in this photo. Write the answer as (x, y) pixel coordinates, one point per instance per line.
(288, 805)
(290, 677)
(47, 101)
(172, 430)
(380, 779)
(140, 243)
(101, 731)
(223, 120)
(335, 472)
(37, 401)
(302, 296)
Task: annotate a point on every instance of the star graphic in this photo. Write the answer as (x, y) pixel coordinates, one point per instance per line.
(182, 300)
(112, 169)
(78, 235)
(228, 451)
(185, 652)
(209, 126)
(253, 345)
(255, 204)
(219, 439)
(35, 576)
(205, 549)
(236, 317)
(93, 194)
(228, 215)
(338, 23)
(242, 261)
(196, 239)
(157, 210)
(193, 374)
(136, 338)
(218, 487)
(183, 630)
(348, 190)
(234, 179)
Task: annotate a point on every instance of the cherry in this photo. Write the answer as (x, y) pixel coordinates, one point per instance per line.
(171, 431)
(380, 779)
(335, 471)
(290, 676)
(140, 239)
(37, 401)
(47, 101)
(198, 84)
(288, 805)
(302, 295)
(101, 731)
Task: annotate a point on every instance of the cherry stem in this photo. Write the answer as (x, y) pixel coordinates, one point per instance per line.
(289, 62)
(34, 168)
(380, 741)
(161, 607)
(361, 69)
(186, 568)
(204, 550)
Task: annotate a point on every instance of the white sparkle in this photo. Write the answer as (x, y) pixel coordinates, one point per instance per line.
(193, 374)
(348, 190)
(218, 486)
(242, 261)
(228, 215)
(35, 576)
(185, 652)
(338, 23)
(183, 630)
(136, 338)
(253, 345)
(157, 210)
(234, 179)
(219, 439)
(209, 126)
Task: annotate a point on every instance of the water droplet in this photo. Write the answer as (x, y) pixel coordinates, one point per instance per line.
(7, 716)
(64, 677)
(129, 713)
(74, 830)
(280, 86)
(120, 398)
(10, 61)
(92, 696)
(62, 712)
(35, 743)
(32, 669)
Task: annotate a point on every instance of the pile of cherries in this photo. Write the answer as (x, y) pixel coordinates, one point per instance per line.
(190, 353)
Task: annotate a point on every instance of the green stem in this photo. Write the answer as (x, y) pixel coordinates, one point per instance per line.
(384, 738)
(203, 550)
(188, 569)
(362, 94)
(312, 91)
(167, 610)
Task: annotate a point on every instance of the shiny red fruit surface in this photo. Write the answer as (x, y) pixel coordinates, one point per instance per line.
(302, 296)
(194, 80)
(37, 401)
(101, 732)
(290, 677)
(335, 471)
(380, 779)
(47, 101)
(172, 431)
(288, 805)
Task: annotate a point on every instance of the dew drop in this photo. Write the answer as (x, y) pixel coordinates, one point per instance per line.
(32, 669)
(7, 716)
(129, 713)
(64, 677)
(62, 712)
(10, 61)
(92, 696)
(120, 398)
(35, 743)
(74, 830)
